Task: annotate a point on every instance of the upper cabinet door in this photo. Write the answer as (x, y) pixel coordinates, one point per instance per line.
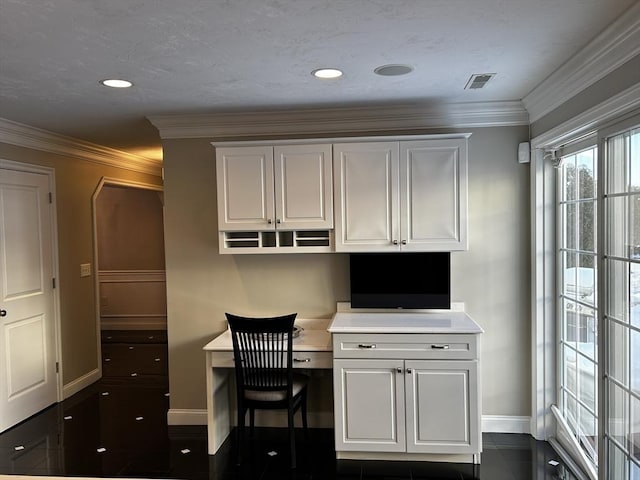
(366, 196)
(303, 187)
(433, 194)
(245, 188)
(401, 196)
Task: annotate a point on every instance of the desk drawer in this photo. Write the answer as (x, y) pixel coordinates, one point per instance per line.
(300, 359)
(405, 346)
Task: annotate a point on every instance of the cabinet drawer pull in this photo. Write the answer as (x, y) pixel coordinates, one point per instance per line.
(367, 345)
(302, 360)
(440, 347)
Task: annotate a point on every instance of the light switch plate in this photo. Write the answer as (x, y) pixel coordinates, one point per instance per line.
(85, 269)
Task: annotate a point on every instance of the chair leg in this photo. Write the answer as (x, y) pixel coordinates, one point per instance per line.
(303, 409)
(292, 437)
(240, 433)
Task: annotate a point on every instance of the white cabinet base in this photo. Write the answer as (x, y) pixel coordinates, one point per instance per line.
(416, 457)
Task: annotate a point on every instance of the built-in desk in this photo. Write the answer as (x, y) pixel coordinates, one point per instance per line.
(312, 350)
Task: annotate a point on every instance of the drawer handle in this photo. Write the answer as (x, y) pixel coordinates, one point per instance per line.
(302, 360)
(367, 345)
(440, 347)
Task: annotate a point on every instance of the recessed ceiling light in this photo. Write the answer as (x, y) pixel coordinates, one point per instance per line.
(327, 73)
(116, 83)
(393, 70)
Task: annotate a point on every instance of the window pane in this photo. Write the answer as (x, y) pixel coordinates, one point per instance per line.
(588, 433)
(634, 294)
(586, 174)
(634, 160)
(616, 167)
(618, 349)
(586, 226)
(634, 360)
(571, 323)
(634, 434)
(617, 290)
(569, 168)
(618, 413)
(587, 391)
(618, 467)
(570, 226)
(570, 370)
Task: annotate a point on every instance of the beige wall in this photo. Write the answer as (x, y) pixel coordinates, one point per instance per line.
(130, 229)
(492, 277)
(76, 181)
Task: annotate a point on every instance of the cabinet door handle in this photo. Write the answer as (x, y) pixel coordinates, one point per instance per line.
(409, 370)
(440, 347)
(367, 345)
(278, 221)
(404, 242)
(399, 369)
(302, 360)
(269, 221)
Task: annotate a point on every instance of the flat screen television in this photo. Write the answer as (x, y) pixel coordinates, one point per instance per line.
(412, 280)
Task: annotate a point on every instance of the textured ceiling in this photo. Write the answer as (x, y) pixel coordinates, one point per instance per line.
(208, 56)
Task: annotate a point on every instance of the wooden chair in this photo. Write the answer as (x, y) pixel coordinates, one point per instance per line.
(265, 378)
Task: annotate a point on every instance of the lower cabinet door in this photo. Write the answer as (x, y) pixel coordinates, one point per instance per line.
(369, 405)
(442, 406)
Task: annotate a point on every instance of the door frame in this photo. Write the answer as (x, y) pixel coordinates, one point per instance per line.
(57, 329)
(107, 182)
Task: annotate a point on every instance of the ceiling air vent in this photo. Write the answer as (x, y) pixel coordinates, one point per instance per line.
(478, 80)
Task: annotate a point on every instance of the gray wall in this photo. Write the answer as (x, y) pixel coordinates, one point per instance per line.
(492, 278)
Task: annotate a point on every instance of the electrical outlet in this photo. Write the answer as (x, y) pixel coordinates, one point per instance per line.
(85, 269)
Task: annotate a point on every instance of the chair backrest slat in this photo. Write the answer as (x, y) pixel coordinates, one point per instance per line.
(263, 351)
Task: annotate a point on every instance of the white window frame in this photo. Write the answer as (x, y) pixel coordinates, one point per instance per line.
(543, 261)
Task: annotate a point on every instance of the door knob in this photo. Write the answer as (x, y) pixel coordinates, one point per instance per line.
(3, 313)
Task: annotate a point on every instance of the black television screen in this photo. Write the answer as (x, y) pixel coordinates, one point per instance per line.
(412, 280)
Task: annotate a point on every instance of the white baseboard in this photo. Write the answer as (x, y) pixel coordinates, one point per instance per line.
(180, 416)
(506, 424)
(177, 416)
(78, 384)
(490, 423)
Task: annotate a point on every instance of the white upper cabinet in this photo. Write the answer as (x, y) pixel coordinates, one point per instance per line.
(265, 188)
(401, 196)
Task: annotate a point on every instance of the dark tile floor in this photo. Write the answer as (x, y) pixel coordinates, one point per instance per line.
(117, 428)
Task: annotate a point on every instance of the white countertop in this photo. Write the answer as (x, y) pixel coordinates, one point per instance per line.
(313, 337)
(404, 322)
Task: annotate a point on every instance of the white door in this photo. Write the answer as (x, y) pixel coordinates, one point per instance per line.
(442, 410)
(366, 197)
(303, 186)
(369, 405)
(433, 195)
(245, 188)
(28, 379)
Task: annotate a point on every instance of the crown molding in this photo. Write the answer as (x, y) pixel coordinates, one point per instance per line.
(21, 135)
(588, 121)
(612, 48)
(340, 120)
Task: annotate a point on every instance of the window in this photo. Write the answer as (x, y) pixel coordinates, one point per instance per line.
(577, 298)
(621, 301)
